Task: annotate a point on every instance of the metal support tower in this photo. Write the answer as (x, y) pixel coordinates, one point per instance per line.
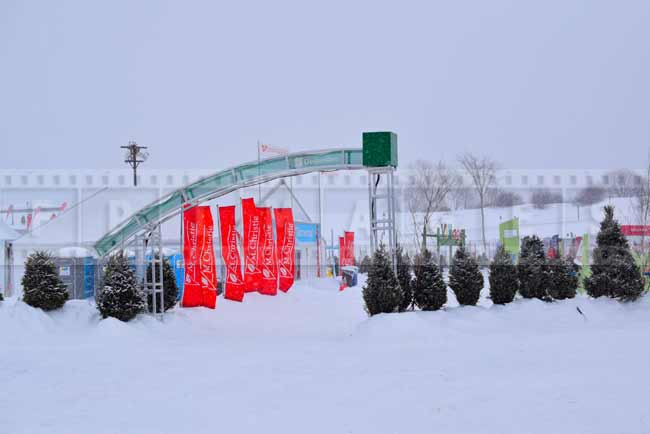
(8, 286)
(381, 196)
(151, 255)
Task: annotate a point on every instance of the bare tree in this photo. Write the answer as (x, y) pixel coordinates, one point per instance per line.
(624, 183)
(543, 197)
(590, 195)
(642, 208)
(482, 171)
(429, 186)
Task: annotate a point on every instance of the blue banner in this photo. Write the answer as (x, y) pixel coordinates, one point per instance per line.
(306, 233)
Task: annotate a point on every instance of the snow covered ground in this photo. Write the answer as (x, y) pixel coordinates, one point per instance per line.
(310, 361)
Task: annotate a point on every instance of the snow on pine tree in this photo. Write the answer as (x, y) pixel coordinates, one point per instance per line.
(503, 278)
(170, 289)
(614, 272)
(429, 288)
(465, 278)
(405, 279)
(364, 266)
(532, 269)
(562, 278)
(381, 292)
(42, 286)
(121, 296)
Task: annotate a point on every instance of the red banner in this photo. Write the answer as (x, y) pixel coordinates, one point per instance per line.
(234, 281)
(252, 234)
(349, 248)
(286, 246)
(269, 264)
(635, 230)
(341, 254)
(200, 288)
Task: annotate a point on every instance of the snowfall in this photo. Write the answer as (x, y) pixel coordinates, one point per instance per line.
(312, 361)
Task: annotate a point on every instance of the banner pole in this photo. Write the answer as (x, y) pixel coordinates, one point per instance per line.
(219, 243)
(182, 252)
(259, 174)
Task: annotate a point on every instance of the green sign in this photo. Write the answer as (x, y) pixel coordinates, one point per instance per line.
(509, 236)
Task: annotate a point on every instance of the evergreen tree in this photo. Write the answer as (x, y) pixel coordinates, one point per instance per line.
(1, 296)
(562, 278)
(170, 290)
(121, 296)
(405, 278)
(532, 269)
(503, 278)
(364, 267)
(614, 272)
(429, 288)
(381, 292)
(465, 278)
(41, 283)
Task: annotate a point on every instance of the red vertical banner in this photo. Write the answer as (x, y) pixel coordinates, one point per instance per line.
(200, 288)
(349, 248)
(286, 247)
(252, 234)
(269, 263)
(342, 253)
(234, 280)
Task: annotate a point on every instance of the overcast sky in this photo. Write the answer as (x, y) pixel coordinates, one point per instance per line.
(544, 84)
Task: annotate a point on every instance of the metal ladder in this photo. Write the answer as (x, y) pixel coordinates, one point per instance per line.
(381, 196)
(153, 284)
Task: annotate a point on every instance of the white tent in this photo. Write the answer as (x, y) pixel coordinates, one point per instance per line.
(6, 233)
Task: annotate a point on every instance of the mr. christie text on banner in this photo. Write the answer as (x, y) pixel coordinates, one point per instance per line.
(286, 239)
(252, 227)
(200, 272)
(234, 281)
(267, 255)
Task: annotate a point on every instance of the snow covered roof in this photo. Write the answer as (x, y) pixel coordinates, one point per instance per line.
(6, 233)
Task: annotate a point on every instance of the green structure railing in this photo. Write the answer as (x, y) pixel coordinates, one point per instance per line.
(224, 182)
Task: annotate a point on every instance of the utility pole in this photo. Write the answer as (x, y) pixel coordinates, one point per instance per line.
(133, 157)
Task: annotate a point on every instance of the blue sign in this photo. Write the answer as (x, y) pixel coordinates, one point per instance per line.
(306, 233)
(176, 261)
(89, 276)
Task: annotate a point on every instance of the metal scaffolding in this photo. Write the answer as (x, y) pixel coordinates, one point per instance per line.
(150, 254)
(381, 196)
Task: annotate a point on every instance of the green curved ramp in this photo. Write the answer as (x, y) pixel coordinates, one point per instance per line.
(224, 182)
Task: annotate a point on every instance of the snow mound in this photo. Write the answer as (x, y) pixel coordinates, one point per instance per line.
(312, 361)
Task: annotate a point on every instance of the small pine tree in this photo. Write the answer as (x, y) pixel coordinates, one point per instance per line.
(614, 272)
(42, 285)
(405, 279)
(170, 290)
(381, 292)
(562, 278)
(121, 296)
(532, 269)
(366, 262)
(503, 278)
(429, 288)
(1, 297)
(465, 278)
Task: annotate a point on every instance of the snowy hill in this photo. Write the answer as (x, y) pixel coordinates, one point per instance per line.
(311, 361)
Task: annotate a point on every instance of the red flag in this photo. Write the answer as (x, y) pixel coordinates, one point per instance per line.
(341, 254)
(200, 288)
(269, 264)
(286, 244)
(234, 283)
(349, 248)
(252, 234)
